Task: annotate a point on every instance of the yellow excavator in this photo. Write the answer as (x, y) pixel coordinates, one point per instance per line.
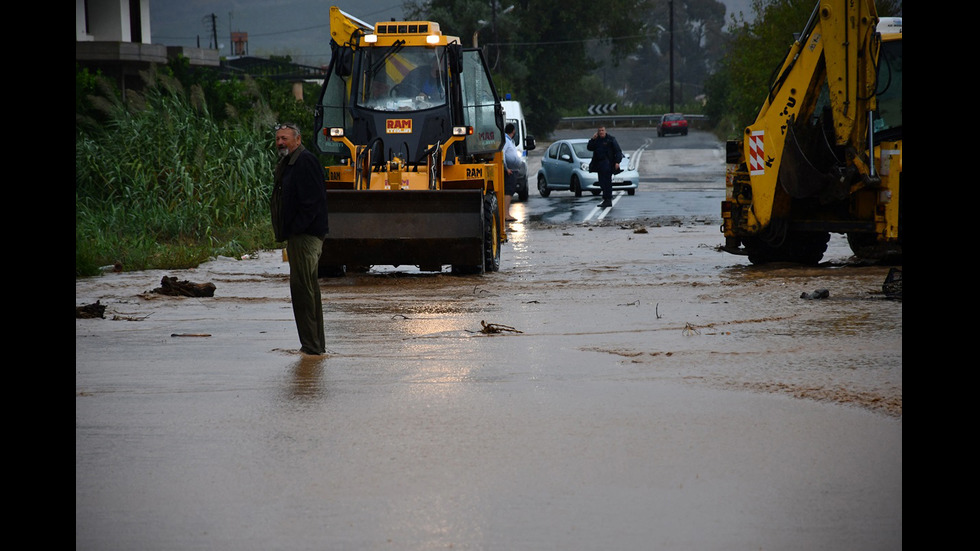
(415, 127)
(825, 152)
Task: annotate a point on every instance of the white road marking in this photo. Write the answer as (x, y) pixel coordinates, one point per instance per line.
(598, 213)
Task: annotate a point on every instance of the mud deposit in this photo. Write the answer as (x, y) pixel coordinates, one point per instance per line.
(646, 301)
(655, 393)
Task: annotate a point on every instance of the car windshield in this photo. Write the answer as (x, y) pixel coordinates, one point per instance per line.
(582, 150)
(674, 118)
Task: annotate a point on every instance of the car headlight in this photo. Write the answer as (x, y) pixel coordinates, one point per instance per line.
(585, 166)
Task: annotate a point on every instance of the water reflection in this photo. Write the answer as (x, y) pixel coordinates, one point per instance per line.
(307, 380)
(517, 237)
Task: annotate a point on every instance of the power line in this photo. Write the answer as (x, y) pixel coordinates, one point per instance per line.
(557, 42)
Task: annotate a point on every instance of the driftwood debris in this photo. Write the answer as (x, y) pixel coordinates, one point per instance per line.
(170, 286)
(87, 311)
(492, 328)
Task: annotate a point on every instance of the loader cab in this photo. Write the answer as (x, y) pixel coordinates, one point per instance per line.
(407, 79)
(404, 90)
(888, 116)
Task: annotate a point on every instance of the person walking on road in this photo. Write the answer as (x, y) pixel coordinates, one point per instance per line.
(299, 217)
(512, 160)
(606, 155)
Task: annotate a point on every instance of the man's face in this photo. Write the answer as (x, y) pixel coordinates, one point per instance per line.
(602, 132)
(287, 140)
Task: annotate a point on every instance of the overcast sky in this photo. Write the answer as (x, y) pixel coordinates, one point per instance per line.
(299, 28)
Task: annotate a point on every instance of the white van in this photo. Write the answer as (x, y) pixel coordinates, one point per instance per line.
(524, 143)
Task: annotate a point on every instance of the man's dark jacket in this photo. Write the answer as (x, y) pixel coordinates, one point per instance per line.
(299, 197)
(604, 149)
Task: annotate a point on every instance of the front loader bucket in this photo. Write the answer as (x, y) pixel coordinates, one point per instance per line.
(404, 227)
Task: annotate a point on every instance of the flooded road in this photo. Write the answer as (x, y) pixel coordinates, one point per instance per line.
(642, 391)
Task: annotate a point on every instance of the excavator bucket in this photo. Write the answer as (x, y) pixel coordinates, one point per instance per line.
(407, 227)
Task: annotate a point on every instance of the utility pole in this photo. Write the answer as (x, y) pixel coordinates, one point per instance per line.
(214, 29)
(671, 3)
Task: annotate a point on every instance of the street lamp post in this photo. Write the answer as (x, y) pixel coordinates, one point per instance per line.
(476, 33)
(481, 24)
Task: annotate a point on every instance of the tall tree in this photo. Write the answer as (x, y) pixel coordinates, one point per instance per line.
(737, 90)
(688, 33)
(541, 51)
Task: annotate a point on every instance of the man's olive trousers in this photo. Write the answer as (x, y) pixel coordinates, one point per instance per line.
(303, 252)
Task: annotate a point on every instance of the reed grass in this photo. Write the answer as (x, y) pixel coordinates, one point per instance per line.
(159, 184)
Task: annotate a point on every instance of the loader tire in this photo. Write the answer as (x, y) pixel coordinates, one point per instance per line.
(491, 240)
(491, 234)
(799, 247)
(866, 247)
(331, 270)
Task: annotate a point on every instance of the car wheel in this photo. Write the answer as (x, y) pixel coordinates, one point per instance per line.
(631, 192)
(576, 186)
(543, 187)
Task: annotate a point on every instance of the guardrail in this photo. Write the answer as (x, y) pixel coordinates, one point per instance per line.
(625, 121)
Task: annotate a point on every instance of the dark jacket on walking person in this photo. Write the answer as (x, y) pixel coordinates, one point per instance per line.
(299, 217)
(606, 156)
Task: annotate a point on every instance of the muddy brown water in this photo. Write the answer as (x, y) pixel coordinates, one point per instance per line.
(642, 390)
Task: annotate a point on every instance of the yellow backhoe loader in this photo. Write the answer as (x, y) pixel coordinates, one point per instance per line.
(415, 125)
(825, 152)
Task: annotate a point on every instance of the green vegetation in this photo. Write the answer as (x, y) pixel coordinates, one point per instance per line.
(161, 182)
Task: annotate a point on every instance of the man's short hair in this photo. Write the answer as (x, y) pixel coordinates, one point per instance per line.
(509, 128)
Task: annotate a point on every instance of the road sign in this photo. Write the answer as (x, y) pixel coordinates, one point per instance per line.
(602, 108)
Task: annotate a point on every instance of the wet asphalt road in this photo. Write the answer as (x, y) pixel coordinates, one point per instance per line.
(682, 180)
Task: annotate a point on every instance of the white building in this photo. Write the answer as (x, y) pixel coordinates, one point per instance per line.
(114, 37)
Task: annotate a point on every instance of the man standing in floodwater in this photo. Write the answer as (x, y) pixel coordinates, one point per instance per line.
(299, 217)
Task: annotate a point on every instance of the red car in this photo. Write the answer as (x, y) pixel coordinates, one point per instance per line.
(672, 123)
